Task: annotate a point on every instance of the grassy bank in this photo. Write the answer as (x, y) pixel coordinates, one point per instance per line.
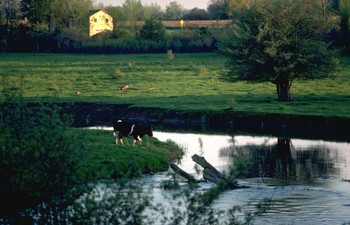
(189, 82)
(103, 159)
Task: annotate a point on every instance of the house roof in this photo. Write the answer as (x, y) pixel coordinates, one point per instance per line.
(92, 12)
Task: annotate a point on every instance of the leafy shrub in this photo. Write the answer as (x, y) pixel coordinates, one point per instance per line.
(118, 74)
(53, 87)
(200, 70)
(131, 64)
(15, 86)
(191, 65)
(153, 30)
(38, 162)
(170, 54)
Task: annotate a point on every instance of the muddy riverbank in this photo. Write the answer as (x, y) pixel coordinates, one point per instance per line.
(101, 114)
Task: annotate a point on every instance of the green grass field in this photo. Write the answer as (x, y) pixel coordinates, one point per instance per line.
(102, 159)
(189, 82)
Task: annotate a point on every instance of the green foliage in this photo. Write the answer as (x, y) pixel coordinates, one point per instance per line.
(131, 64)
(170, 54)
(278, 42)
(200, 70)
(117, 74)
(38, 160)
(196, 14)
(119, 203)
(57, 14)
(344, 12)
(219, 9)
(173, 11)
(134, 11)
(153, 30)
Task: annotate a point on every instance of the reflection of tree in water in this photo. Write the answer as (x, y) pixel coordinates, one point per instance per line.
(283, 161)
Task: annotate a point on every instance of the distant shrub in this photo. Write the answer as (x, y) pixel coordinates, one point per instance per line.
(191, 65)
(200, 70)
(53, 87)
(117, 74)
(131, 64)
(15, 86)
(170, 54)
(232, 103)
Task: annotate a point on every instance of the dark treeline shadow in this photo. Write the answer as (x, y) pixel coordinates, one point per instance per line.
(283, 161)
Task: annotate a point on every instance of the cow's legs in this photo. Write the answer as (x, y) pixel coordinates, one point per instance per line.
(116, 137)
(137, 138)
(119, 139)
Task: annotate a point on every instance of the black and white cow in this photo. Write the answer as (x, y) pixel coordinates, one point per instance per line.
(137, 131)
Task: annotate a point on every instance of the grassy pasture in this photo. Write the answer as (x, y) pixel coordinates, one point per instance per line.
(102, 159)
(189, 82)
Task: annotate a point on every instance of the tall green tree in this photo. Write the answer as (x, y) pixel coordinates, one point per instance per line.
(225, 9)
(196, 14)
(236, 5)
(57, 14)
(9, 10)
(278, 42)
(344, 12)
(174, 11)
(219, 9)
(153, 11)
(37, 11)
(119, 19)
(134, 11)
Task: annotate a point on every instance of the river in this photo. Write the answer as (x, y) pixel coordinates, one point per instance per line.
(307, 180)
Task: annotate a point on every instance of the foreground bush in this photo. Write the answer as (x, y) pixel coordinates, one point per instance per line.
(38, 162)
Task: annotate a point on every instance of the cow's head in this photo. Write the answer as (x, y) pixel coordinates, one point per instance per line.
(150, 131)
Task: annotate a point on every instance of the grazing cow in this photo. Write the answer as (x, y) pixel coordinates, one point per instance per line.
(137, 131)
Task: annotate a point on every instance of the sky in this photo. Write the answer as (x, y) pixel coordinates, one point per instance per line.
(187, 4)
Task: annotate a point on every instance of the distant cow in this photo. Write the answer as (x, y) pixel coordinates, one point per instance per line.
(137, 131)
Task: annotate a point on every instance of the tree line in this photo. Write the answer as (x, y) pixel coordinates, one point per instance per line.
(62, 26)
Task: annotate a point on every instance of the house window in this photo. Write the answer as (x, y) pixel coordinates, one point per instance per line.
(95, 20)
(107, 20)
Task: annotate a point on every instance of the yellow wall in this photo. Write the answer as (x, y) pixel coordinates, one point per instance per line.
(100, 22)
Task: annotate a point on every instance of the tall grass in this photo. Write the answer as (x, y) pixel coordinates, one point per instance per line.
(174, 84)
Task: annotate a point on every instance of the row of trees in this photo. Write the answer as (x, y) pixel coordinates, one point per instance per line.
(62, 14)
(62, 26)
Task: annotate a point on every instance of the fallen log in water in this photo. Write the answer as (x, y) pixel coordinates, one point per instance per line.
(210, 173)
(183, 173)
(213, 175)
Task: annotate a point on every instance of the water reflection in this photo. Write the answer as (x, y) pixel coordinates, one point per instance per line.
(282, 158)
(279, 161)
(287, 162)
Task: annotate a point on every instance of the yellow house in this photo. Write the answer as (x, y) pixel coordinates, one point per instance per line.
(99, 22)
